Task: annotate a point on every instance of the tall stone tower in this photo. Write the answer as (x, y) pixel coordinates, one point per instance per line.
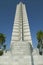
(21, 41)
(21, 32)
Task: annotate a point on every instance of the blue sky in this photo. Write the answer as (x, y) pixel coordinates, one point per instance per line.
(34, 13)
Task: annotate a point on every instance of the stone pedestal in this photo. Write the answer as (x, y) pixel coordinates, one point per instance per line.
(21, 53)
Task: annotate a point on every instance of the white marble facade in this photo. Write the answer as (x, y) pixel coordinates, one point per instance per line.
(21, 52)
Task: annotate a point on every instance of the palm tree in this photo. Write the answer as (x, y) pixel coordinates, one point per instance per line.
(40, 41)
(2, 38)
(2, 41)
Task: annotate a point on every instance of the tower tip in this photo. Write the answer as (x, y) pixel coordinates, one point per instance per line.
(20, 2)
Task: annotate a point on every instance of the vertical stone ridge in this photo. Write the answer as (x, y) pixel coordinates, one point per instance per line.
(22, 22)
(21, 26)
(26, 28)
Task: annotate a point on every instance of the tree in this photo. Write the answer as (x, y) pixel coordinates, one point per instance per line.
(39, 36)
(40, 41)
(2, 38)
(2, 41)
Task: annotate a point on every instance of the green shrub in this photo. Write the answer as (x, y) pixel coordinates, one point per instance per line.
(1, 53)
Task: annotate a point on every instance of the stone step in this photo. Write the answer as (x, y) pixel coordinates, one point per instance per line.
(20, 48)
(16, 60)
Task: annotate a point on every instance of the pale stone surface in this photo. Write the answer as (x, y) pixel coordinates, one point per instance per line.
(38, 60)
(21, 48)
